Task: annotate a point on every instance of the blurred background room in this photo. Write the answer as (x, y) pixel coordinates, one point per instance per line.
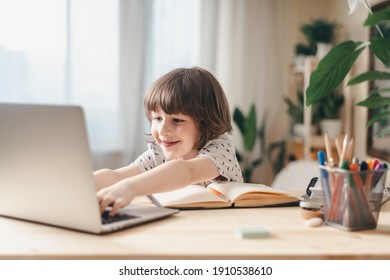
(104, 54)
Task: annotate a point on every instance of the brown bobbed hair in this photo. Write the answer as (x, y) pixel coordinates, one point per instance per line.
(194, 92)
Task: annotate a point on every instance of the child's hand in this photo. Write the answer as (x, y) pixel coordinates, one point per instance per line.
(118, 196)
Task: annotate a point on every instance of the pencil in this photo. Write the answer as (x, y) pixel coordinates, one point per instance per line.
(327, 148)
(345, 144)
(338, 147)
(349, 152)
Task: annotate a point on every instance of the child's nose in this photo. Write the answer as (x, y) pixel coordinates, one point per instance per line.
(165, 128)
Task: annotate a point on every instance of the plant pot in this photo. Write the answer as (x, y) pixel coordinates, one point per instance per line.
(331, 127)
(299, 60)
(323, 49)
(299, 130)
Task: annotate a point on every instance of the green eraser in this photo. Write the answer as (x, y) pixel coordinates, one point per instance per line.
(251, 232)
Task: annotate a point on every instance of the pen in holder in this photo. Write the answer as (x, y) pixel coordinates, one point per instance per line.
(352, 198)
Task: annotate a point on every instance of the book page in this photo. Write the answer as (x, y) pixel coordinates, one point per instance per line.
(247, 195)
(233, 190)
(192, 196)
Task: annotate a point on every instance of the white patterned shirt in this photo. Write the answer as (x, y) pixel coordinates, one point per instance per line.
(220, 151)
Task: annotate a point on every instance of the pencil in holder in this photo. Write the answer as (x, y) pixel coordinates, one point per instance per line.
(352, 199)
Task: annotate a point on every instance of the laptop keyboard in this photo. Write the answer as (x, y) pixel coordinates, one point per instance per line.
(107, 219)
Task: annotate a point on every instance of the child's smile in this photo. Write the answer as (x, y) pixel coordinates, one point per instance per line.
(168, 143)
(176, 134)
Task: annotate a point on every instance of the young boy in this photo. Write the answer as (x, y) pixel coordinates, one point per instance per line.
(190, 121)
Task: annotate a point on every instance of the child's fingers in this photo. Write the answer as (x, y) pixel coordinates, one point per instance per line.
(99, 198)
(106, 201)
(118, 204)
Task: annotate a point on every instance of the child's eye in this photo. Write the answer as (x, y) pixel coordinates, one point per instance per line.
(176, 120)
(157, 118)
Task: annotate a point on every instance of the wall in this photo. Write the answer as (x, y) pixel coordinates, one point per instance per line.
(305, 11)
(290, 15)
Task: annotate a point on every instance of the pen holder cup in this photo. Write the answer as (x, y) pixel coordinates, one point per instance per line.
(352, 199)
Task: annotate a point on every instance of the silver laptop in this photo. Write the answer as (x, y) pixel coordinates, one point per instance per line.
(46, 171)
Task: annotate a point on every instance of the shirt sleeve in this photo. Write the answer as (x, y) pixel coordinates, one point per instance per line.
(151, 158)
(223, 154)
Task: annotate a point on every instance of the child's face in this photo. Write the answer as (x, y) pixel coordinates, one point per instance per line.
(176, 134)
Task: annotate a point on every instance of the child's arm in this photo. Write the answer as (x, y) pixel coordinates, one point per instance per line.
(166, 177)
(107, 177)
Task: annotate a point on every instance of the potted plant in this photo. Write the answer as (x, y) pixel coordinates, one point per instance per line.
(305, 50)
(320, 33)
(301, 51)
(334, 67)
(247, 125)
(295, 109)
(329, 111)
(275, 154)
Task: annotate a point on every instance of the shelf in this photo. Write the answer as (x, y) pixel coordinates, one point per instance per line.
(317, 143)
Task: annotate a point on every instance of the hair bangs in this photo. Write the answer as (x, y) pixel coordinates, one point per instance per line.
(166, 97)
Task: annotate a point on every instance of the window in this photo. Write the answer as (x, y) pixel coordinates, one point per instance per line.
(67, 52)
(175, 36)
(63, 52)
(32, 52)
(93, 70)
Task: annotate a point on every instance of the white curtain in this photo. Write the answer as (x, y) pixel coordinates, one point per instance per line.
(134, 20)
(155, 37)
(244, 45)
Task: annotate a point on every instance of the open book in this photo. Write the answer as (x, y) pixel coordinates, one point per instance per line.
(223, 195)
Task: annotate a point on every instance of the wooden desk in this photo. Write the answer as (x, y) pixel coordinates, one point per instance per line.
(202, 234)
